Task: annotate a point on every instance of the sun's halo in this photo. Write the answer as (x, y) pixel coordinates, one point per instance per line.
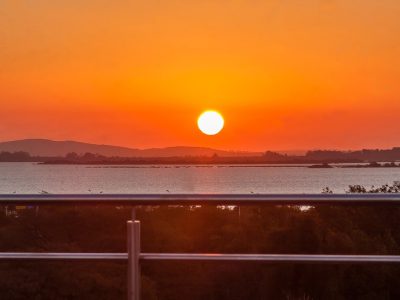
(210, 122)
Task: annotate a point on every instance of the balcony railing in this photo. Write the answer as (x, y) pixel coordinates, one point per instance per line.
(134, 256)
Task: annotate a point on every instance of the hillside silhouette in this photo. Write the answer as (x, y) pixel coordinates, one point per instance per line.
(50, 148)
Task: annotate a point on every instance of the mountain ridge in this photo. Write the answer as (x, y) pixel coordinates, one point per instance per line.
(49, 148)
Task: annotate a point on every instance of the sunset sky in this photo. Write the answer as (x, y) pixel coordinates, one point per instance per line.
(285, 74)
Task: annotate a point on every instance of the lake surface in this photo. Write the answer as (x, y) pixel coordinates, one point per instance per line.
(34, 178)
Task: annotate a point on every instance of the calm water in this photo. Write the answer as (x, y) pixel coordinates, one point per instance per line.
(34, 178)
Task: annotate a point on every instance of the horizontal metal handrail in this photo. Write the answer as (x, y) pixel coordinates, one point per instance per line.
(200, 199)
(272, 258)
(61, 256)
(134, 255)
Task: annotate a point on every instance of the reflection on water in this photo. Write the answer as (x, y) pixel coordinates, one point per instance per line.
(34, 178)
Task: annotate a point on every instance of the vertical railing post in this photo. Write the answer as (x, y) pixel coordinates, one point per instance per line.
(133, 260)
(133, 213)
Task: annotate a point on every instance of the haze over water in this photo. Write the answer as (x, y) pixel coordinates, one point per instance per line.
(35, 178)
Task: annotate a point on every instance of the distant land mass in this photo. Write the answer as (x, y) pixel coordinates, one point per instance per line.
(50, 148)
(72, 152)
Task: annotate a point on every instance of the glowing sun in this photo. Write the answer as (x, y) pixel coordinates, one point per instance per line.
(210, 122)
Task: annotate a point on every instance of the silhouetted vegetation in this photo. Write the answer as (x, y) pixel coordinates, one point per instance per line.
(386, 188)
(19, 156)
(367, 155)
(322, 157)
(266, 229)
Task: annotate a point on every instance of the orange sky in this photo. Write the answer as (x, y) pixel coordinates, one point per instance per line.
(285, 74)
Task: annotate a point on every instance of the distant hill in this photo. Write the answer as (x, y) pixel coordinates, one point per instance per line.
(49, 148)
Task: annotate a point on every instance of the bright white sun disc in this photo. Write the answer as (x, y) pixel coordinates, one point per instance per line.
(210, 122)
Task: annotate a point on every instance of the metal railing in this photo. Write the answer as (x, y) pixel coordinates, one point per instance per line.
(134, 256)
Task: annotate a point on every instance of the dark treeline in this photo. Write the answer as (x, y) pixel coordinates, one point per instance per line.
(318, 156)
(326, 156)
(19, 156)
(366, 155)
(266, 229)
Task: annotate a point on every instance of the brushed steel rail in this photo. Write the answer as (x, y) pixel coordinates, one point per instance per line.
(61, 256)
(268, 258)
(274, 258)
(200, 199)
